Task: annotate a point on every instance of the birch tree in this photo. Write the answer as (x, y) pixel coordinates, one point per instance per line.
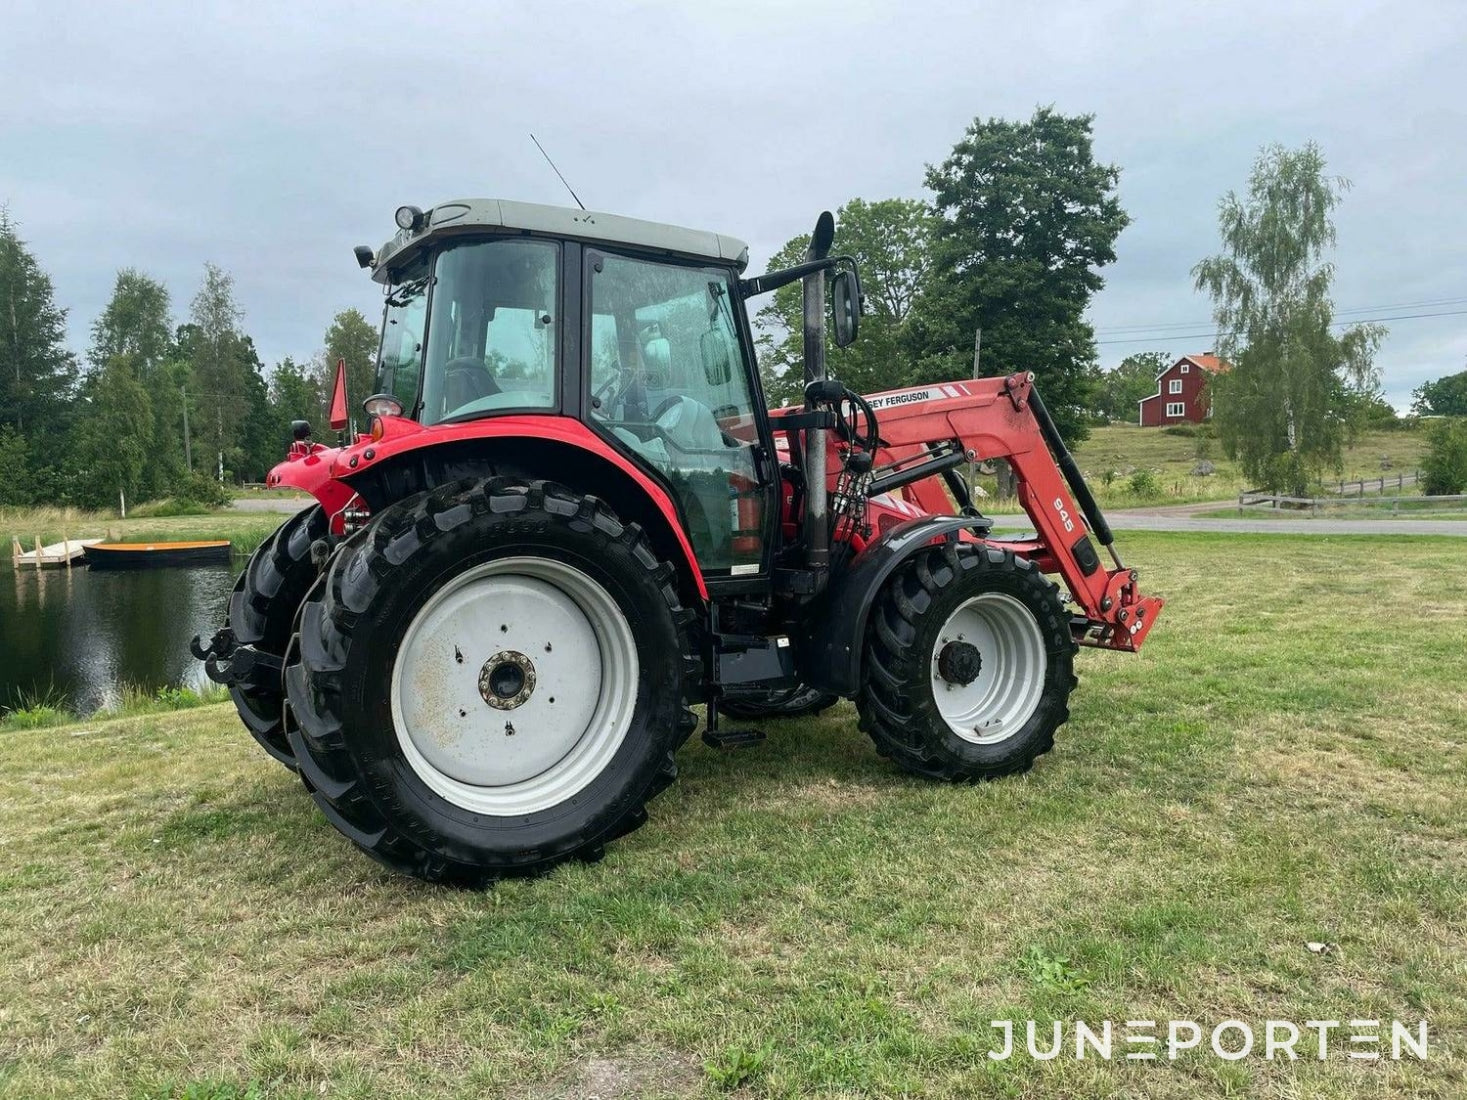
(1284, 410)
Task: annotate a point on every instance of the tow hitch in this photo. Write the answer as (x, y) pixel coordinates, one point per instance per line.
(229, 663)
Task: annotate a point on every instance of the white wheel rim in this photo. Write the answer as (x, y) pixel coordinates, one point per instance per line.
(499, 740)
(1004, 695)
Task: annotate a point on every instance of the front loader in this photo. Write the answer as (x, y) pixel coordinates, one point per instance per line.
(573, 517)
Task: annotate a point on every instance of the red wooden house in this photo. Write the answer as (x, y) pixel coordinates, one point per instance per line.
(1181, 392)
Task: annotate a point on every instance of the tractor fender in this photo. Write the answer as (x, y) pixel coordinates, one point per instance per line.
(552, 447)
(308, 468)
(834, 632)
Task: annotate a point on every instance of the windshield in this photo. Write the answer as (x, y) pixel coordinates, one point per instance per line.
(492, 337)
(401, 354)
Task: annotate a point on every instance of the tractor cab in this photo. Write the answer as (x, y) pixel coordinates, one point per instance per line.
(501, 311)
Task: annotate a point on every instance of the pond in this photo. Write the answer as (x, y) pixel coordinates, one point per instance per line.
(84, 635)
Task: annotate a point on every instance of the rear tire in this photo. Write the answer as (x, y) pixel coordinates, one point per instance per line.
(453, 617)
(969, 665)
(262, 613)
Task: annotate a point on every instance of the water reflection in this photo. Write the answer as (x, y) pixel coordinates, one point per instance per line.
(87, 634)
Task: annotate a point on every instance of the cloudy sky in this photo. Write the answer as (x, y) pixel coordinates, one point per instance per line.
(270, 139)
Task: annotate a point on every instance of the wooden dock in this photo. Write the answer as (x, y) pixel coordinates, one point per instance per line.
(56, 556)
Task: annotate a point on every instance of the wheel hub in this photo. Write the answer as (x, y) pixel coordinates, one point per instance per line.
(988, 668)
(959, 663)
(507, 680)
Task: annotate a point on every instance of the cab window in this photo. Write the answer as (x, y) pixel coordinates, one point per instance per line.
(401, 354)
(667, 378)
(493, 329)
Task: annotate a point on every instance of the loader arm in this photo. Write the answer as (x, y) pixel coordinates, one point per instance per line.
(993, 418)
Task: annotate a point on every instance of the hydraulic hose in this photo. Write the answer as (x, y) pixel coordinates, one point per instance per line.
(1073, 478)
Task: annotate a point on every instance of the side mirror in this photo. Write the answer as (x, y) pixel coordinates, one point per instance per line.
(717, 361)
(845, 304)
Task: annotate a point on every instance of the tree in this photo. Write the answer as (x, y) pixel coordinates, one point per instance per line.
(15, 460)
(219, 359)
(352, 338)
(136, 327)
(135, 323)
(114, 432)
(260, 446)
(1027, 220)
(37, 372)
(1285, 408)
(1447, 396)
(890, 241)
(1444, 469)
(295, 394)
(1368, 409)
(1122, 388)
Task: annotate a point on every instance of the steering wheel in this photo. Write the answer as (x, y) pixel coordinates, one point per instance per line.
(466, 379)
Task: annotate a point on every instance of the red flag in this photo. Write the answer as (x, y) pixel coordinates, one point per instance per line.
(338, 398)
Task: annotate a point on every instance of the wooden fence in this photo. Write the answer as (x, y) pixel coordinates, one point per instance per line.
(1374, 484)
(1253, 498)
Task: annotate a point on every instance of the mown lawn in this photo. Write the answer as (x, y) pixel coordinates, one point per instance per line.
(1285, 764)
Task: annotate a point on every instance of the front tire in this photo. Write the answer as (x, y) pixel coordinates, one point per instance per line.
(969, 665)
(490, 682)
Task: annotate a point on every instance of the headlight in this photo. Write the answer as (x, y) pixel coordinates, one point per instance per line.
(408, 217)
(382, 404)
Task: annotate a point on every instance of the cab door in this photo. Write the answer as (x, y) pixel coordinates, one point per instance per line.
(669, 380)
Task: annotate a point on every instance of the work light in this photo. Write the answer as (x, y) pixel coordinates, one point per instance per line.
(382, 404)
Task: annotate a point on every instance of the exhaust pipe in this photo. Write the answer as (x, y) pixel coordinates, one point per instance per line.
(817, 524)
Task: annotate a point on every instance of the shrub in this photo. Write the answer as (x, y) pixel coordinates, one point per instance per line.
(1444, 469)
(1145, 484)
(200, 489)
(1186, 431)
(173, 506)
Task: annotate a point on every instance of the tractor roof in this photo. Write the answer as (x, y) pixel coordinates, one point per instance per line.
(490, 215)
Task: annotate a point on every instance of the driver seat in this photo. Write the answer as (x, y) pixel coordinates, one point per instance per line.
(466, 380)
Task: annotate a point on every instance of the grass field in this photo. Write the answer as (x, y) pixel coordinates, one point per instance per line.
(1171, 458)
(245, 530)
(1285, 764)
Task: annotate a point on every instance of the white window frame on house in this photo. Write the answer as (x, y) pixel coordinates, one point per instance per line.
(1186, 367)
(1174, 386)
(1176, 408)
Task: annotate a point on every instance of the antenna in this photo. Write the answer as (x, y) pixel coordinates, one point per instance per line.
(556, 170)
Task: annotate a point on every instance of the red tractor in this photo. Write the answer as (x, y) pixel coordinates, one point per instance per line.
(572, 516)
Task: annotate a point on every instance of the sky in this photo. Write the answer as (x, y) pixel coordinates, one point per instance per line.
(271, 138)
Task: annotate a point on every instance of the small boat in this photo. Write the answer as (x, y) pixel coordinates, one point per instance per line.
(154, 555)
